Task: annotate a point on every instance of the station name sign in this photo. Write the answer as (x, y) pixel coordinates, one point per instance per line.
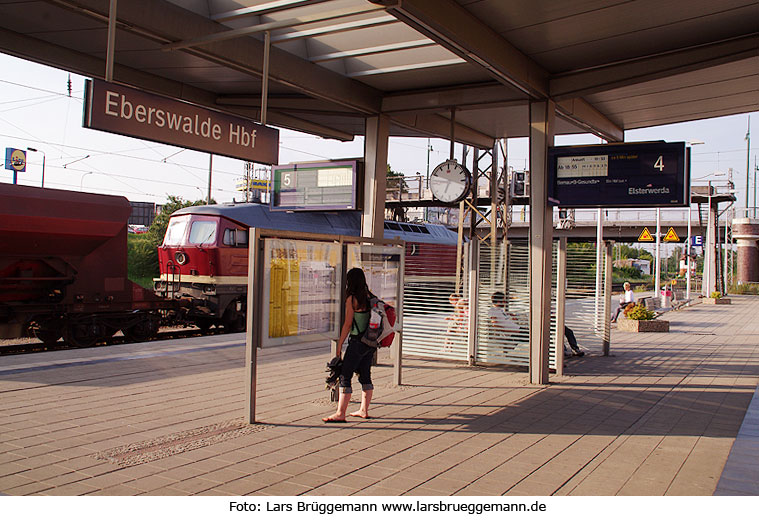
(127, 111)
(633, 175)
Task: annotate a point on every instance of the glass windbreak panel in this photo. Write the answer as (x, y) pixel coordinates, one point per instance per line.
(435, 303)
(202, 232)
(503, 304)
(584, 301)
(382, 268)
(175, 231)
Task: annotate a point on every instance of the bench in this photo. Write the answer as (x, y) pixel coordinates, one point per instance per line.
(648, 302)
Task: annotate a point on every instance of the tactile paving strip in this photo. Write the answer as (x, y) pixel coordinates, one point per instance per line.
(165, 446)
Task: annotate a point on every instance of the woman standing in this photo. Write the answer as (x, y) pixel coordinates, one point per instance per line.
(358, 356)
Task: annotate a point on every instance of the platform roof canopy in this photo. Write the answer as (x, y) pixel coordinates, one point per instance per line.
(610, 65)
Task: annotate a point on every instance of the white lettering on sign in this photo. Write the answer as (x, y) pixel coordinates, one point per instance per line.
(117, 105)
(647, 191)
(590, 166)
(241, 136)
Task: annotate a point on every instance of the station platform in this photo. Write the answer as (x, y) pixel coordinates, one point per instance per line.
(657, 417)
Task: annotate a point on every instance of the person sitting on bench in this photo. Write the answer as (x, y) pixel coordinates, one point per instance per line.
(629, 298)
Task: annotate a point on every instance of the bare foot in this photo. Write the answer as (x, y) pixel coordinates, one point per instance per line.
(335, 418)
(360, 414)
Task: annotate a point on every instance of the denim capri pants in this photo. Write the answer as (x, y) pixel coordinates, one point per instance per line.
(357, 358)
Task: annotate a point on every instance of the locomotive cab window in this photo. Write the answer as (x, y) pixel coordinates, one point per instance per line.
(235, 237)
(202, 232)
(175, 231)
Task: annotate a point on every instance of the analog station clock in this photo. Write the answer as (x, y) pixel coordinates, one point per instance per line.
(450, 182)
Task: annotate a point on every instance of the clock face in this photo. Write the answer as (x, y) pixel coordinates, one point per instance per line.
(450, 182)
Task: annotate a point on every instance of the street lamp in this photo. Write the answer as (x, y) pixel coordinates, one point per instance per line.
(77, 160)
(689, 240)
(42, 185)
(81, 181)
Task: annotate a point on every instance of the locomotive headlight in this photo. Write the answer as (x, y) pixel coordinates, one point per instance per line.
(209, 289)
(181, 258)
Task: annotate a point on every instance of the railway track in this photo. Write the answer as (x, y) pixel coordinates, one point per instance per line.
(39, 347)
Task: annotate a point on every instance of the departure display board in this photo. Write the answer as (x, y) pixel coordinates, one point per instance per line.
(315, 186)
(633, 175)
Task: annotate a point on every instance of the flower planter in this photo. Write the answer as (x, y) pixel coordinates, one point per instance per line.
(654, 325)
(712, 300)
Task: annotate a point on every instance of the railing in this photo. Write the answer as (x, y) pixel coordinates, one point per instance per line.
(414, 188)
(747, 213)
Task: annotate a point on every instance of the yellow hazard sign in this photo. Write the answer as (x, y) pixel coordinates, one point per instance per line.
(645, 236)
(671, 236)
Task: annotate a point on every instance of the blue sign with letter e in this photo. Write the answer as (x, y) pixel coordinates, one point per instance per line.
(697, 240)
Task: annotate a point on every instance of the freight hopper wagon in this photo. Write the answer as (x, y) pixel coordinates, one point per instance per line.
(63, 268)
(204, 255)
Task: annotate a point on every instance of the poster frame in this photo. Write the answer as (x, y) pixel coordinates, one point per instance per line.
(258, 280)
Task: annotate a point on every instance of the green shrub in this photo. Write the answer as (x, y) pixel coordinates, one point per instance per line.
(640, 313)
(715, 295)
(640, 288)
(745, 289)
(142, 259)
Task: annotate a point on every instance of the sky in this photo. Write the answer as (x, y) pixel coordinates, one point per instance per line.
(36, 110)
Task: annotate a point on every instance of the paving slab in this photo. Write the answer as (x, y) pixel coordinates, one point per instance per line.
(666, 413)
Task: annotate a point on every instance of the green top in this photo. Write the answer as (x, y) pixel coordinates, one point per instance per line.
(360, 322)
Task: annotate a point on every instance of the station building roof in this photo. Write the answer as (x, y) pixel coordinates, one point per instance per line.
(610, 66)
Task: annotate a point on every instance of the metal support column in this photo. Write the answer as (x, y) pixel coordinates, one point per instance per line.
(598, 322)
(397, 346)
(265, 78)
(210, 176)
(252, 328)
(474, 281)
(657, 267)
(725, 282)
(561, 297)
(710, 259)
(375, 179)
(542, 118)
(111, 49)
(607, 299)
(687, 258)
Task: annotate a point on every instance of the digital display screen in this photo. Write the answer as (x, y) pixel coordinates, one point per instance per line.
(315, 186)
(636, 175)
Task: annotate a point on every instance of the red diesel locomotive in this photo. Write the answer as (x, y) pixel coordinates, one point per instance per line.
(204, 256)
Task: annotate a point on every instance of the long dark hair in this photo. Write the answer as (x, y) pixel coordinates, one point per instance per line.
(356, 287)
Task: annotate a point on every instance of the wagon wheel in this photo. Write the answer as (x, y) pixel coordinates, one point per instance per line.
(82, 334)
(143, 330)
(47, 333)
(233, 320)
(203, 324)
